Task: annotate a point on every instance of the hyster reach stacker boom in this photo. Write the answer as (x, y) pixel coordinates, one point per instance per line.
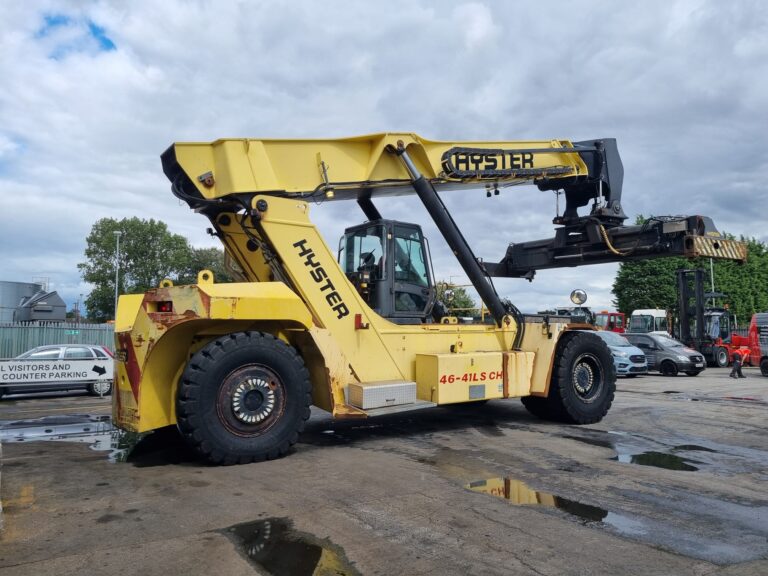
(359, 333)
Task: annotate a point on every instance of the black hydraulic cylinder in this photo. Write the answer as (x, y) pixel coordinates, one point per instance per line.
(455, 239)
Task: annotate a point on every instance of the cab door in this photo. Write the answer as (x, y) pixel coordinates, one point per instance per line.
(413, 284)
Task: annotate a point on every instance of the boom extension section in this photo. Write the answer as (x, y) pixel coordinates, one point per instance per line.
(591, 242)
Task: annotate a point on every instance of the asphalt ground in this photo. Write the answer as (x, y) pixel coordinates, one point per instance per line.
(672, 481)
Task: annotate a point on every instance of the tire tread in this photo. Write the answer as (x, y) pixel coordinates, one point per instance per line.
(193, 379)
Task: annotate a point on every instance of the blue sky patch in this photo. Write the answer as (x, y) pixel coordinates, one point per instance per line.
(101, 37)
(51, 21)
(90, 36)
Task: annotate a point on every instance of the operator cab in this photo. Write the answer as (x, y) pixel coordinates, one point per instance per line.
(389, 264)
(717, 324)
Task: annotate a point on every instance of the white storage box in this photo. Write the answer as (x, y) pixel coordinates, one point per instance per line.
(368, 395)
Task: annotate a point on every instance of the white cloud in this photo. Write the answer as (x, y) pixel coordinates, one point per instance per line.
(682, 85)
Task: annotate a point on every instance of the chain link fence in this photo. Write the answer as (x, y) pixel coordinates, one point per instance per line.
(18, 337)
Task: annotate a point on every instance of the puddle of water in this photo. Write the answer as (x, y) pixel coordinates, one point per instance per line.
(519, 493)
(96, 430)
(692, 448)
(658, 460)
(274, 546)
(632, 450)
(725, 532)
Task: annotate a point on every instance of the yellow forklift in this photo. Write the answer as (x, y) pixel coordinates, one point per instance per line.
(359, 332)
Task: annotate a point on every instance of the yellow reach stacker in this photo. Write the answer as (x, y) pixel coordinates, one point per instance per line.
(359, 332)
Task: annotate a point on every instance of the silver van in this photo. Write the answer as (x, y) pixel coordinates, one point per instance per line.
(667, 355)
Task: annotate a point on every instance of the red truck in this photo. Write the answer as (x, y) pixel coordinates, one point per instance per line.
(754, 346)
(611, 321)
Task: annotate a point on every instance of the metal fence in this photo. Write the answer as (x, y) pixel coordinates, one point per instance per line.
(18, 337)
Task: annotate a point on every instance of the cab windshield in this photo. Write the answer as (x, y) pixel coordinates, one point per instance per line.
(647, 323)
(613, 339)
(609, 321)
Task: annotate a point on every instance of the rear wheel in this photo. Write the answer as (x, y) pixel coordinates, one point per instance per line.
(668, 368)
(721, 357)
(243, 398)
(101, 388)
(764, 366)
(583, 382)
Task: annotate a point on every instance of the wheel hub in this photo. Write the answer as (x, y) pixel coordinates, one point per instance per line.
(583, 378)
(101, 387)
(253, 400)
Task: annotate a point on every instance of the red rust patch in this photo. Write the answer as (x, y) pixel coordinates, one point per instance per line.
(205, 300)
(131, 364)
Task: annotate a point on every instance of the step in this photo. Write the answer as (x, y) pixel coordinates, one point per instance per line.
(418, 405)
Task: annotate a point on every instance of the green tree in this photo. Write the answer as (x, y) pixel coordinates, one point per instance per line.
(207, 259)
(455, 298)
(647, 284)
(148, 253)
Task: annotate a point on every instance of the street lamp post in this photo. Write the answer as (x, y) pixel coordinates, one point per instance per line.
(117, 265)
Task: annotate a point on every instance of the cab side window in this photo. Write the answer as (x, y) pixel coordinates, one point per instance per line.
(74, 353)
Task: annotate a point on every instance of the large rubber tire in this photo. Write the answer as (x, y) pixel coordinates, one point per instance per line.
(243, 398)
(100, 388)
(536, 405)
(721, 357)
(583, 380)
(668, 368)
(764, 366)
(539, 406)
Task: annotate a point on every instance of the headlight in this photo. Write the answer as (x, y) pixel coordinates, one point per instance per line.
(683, 358)
(619, 353)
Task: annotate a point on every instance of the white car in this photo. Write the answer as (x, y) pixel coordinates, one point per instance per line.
(58, 367)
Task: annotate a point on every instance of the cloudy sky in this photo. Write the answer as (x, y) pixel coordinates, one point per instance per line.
(93, 92)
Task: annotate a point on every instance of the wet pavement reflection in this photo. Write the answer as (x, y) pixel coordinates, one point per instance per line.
(274, 546)
(633, 449)
(518, 493)
(658, 460)
(95, 430)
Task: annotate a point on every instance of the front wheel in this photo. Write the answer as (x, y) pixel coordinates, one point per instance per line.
(764, 366)
(668, 368)
(243, 398)
(721, 357)
(583, 380)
